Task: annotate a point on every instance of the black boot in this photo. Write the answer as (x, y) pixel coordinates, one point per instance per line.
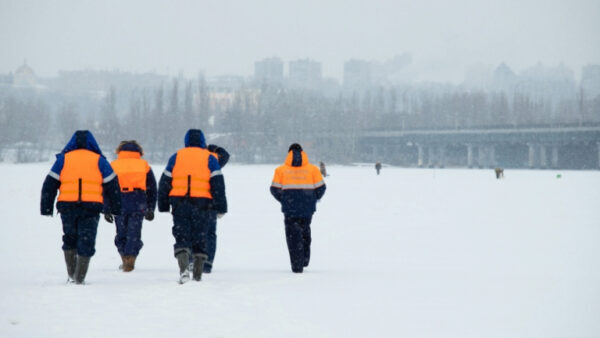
(207, 267)
(199, 260)
(71, 261)
(81, 269)
(183, 260)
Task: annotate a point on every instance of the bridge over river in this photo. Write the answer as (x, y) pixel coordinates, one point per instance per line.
(551, 148)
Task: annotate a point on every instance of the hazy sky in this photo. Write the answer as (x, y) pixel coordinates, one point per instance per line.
(227, 36)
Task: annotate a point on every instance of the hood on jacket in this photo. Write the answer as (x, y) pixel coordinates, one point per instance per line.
(296, 158)
(195, 138)
(130, 146)
(82, 139)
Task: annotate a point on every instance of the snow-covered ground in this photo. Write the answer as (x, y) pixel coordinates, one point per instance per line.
(409, 253)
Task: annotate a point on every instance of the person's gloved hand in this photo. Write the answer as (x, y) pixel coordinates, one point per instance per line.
(149, 215)
(220, 215)
(109, 217)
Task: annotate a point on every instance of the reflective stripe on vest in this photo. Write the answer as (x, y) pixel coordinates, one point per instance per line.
(191, 175)
(131, 171)
(80, 178)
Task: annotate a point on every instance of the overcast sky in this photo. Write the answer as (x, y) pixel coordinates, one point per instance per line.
(227, 36)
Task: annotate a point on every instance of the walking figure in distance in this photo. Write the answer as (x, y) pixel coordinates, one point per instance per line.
(298, 185)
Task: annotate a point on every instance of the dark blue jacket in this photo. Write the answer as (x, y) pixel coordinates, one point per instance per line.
(81, 139)
(194, 138)
(221, 153)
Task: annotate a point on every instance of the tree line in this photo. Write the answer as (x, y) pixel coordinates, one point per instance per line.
(256, 122)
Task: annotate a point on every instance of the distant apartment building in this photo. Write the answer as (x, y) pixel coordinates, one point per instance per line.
(305, 74)
(357, 74)
(360, 74)
(504, 79)
(590, 81)
(269, 70)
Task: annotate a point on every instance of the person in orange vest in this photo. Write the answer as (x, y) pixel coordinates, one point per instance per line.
(192, 185)
(86, 181)
(298, 186)
(138, 201)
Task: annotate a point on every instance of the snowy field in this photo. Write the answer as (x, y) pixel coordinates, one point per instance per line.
(409, 253)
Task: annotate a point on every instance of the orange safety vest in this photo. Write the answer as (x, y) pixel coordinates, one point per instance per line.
(131, 170)
(80, 178)
(306, 177)
(191, 176)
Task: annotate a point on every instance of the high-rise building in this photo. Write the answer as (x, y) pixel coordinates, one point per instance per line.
(590, 81)
(305, 74)
(357, 74)
(269, 70)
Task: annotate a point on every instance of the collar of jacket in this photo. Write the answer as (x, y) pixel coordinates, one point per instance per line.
(128, 154)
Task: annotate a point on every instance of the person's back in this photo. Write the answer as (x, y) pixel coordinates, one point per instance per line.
(138, 195)
(85, 181)
(298, 185)
(192, 184)
(299, 182)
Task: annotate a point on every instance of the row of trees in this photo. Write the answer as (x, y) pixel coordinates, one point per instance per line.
(257, 123)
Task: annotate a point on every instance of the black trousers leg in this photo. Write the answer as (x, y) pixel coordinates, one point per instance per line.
(294, 235)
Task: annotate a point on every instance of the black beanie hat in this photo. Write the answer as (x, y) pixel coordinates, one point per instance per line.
(295, 146)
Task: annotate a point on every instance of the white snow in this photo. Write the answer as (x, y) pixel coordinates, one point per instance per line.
(409, 253)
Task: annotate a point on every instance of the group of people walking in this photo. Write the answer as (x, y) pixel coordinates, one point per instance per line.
(192, 188)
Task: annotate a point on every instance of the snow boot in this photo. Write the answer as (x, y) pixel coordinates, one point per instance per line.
(191, 266)
(199, 260)
(81, 269)
(122, 263)
(71, 261)
(183, 260)
(128, 263)
(207, 267)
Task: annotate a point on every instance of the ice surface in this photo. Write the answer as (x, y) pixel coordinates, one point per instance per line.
(409, 253)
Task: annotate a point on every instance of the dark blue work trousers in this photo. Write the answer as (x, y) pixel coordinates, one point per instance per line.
(80, 227)
(189, 227)
(297, 235)
(129, 233)
(211, 239)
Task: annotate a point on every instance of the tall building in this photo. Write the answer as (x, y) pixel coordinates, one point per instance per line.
(360, 74)
(305, 74)
(269, 70)
(590, 81)
(357, 74)
(504, 79)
